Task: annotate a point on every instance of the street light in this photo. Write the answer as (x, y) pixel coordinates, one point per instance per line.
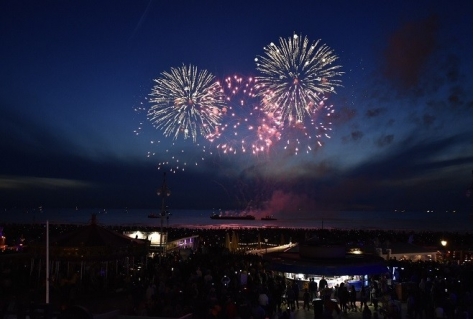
(266, 245)
(444, 242)
(163, 192)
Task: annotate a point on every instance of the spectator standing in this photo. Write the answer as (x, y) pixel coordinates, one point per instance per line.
(439, 312)
(296, 290)
(343, 294)
(329, 307)
(257, 311)
(313, 288)
(230, 308)
(363, 297)
(290, 297)
(306, 297)
(336, 292)
(374, 295)
(366, 313)
(352, 298)
(263, 300)
(277, 294)
(323, 283)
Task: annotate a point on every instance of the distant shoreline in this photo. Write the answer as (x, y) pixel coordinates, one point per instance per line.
(144, 226)
(138, 218)
(231, 226)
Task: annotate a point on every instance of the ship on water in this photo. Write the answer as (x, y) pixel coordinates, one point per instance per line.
(233, 217)
(268, 217)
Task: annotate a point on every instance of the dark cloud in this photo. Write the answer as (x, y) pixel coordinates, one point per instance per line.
(428, 119)
(353, 137)
(343, 115)
(375, 112)
(41, 167)
(408, 51)
(22, 133)
(457, 96)
(452, 68)
(385, 140)
(357, 135)
(412, 176)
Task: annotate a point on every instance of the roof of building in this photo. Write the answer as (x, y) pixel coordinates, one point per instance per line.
(347, 264)
(92, 242)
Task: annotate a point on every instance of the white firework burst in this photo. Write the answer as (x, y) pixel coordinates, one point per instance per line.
(186, 102)
(294, 76)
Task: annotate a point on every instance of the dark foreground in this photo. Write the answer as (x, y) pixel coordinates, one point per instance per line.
(208, 282)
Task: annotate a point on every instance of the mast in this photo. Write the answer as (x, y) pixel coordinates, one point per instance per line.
(47, 262)
(163, 192)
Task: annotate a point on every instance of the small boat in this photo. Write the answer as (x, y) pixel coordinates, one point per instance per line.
(233, 217)
(153, 215)
(268, 217)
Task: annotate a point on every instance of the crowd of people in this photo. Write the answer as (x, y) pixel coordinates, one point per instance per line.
(215, 283)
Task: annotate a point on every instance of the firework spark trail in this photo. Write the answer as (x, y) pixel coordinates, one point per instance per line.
(295, 75)
(245, 128)
(178, 156)
(138, 110)
(304, 136)
(186, 102)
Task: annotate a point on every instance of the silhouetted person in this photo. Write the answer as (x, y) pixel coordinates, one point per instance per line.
(323, 283)
(352, 298)
(363, 298)
(366, 313)
(313, 288)
(296, 290)
(306, 297)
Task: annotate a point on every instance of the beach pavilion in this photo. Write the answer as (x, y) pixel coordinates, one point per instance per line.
(336, 262)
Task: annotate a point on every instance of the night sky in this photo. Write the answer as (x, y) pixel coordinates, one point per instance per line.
(75, 79)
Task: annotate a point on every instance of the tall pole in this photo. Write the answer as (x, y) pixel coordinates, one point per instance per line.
(163, 192)
(47, 262)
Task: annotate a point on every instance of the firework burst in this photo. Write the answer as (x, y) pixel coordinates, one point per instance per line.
(306, 135)
(245, 128)
(186, 102)
(294, 77)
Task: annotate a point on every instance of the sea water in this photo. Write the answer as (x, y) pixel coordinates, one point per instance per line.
(418, 221)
